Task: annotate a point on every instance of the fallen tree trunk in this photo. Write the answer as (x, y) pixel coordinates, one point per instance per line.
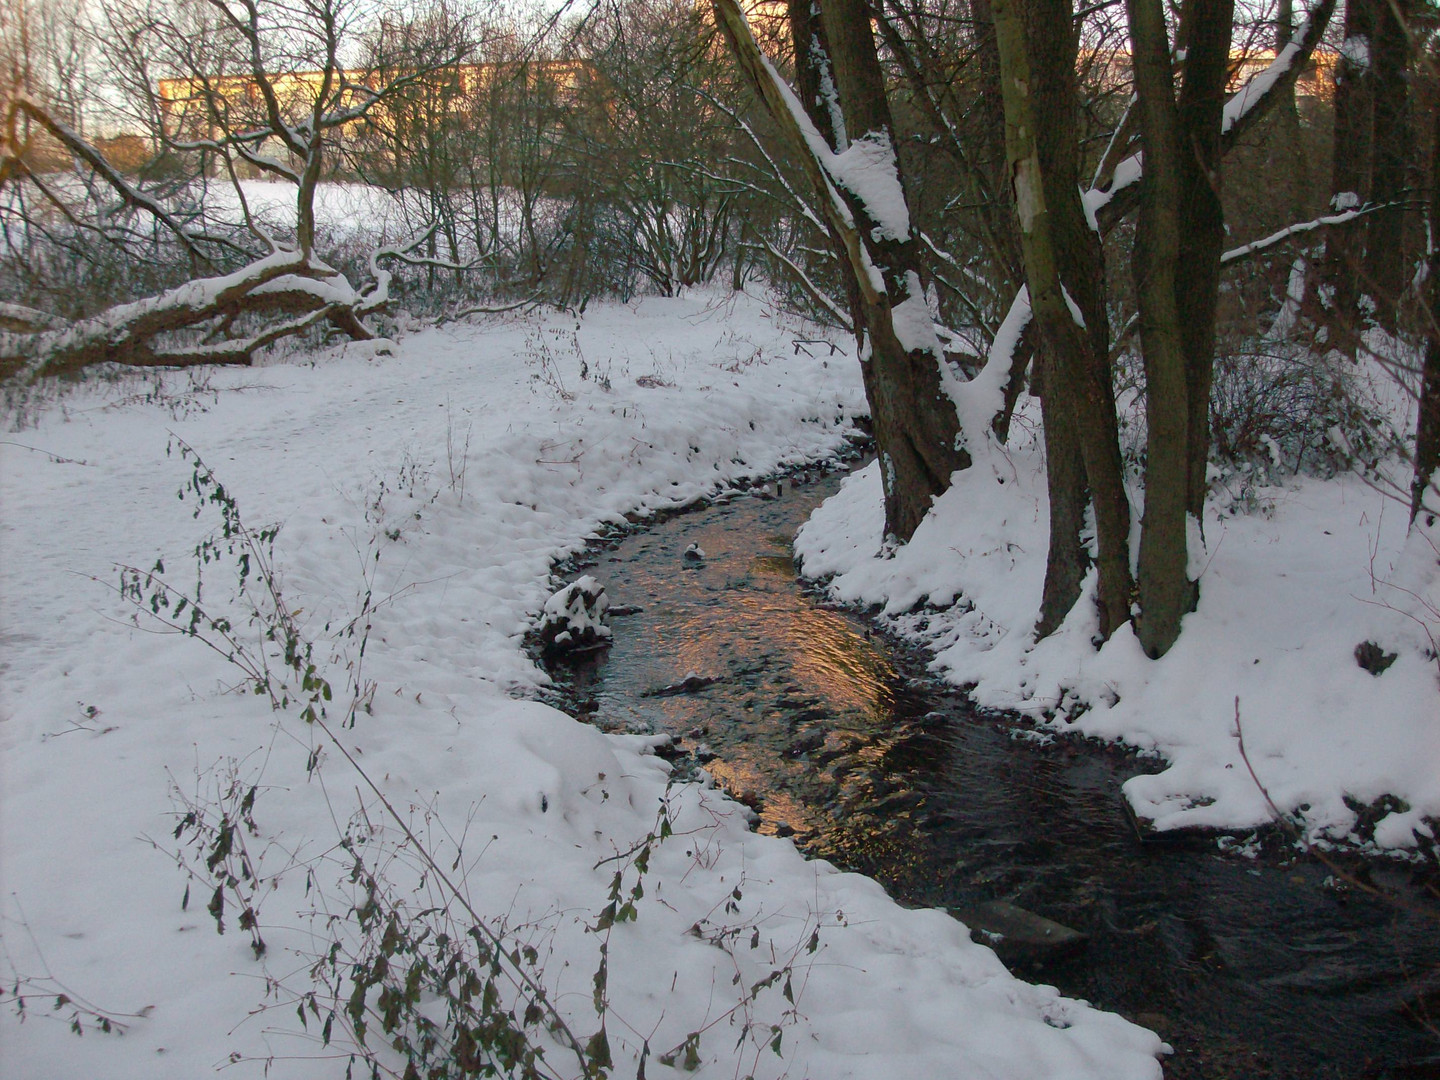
(301, 291)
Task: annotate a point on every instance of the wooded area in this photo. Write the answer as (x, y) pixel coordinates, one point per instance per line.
(1199, 216)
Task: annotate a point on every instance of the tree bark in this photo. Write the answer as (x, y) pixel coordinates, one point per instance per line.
(1162, 583)
(1427, 425)
(815, 82)
(1065, 276)
(1202, 224)
(1290, 156)
(1392, 139)
(991, 99)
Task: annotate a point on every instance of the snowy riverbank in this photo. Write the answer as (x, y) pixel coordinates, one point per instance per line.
(467, 462)
(1288, 591)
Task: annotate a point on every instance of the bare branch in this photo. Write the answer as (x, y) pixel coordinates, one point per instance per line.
(122, 334)
(1245, 251)
(830, 307)
(1243, 110)
(129, 194)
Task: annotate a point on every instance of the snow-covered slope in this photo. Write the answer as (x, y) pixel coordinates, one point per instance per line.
(109, 732)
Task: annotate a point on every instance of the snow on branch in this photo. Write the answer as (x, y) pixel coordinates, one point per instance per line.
(984, 396)
(1242, 110)
(786, 110)
(1281, 235)
(817, 294)
(17, 318)
(533, 300)
(284, 283)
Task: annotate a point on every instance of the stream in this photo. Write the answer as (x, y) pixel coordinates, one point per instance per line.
(1251, 968)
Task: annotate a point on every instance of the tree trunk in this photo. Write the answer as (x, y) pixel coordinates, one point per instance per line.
(1066, 487)
(1162, 584)
(1202, 224)
(1384, 240)
(1427, 426)
(1289, 156)
(917, 431)
(1065, 276)
(991, 98)
(1349, 177)
(983, 165)
(916, 428)
(816, 84)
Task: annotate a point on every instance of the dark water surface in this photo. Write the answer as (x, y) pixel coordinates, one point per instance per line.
(1250, 968)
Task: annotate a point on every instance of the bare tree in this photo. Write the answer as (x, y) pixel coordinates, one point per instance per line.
(1065, 277)
(1426, 484)
(659, 157)
(255, 84)
(416, 145)
(864, 200)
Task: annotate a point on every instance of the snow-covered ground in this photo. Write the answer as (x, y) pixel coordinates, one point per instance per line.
(1288, 590)
(445, 479)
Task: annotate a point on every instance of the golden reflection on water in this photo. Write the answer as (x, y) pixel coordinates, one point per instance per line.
(832, 661)
(780, 565)
(827, 656)
(802, 715)
(750, 781)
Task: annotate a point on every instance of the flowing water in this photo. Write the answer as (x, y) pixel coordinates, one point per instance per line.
(1250, 967)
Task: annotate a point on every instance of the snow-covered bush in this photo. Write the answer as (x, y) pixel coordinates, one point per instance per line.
(1288, 410)
(1278, 410)
(576, 617)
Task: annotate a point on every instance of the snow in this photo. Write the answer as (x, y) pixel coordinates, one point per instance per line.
(1287, 593)
(1076, 314)
(1293, 290)
(867, 167)
(1284, 320)
(913, 322)
(813, 139)
(830, 96)
(193, 296)
(868, 170)
(1257, 86)
(577, 612)
(1128, 172)
(978, 402)
(443, 480)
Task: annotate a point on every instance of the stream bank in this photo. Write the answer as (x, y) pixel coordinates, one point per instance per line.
(1251, 967)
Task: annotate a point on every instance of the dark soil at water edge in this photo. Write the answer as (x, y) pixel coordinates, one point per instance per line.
(1264, 967)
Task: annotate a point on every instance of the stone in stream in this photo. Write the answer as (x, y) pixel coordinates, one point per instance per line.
(1018, 935)
(805, 744)
(692, 683)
